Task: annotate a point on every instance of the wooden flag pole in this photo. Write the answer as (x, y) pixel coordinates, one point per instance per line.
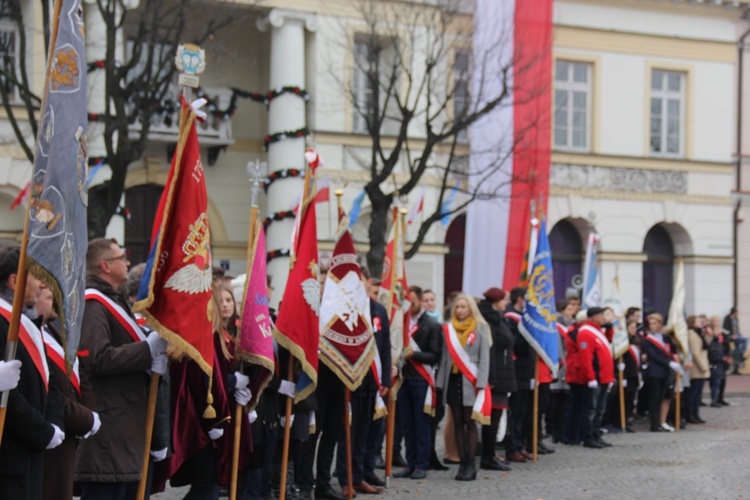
(153, 392)
(535, 430)
(389, 433)
(348, 431)
(677, 394)
(621, 390)
(287, 435)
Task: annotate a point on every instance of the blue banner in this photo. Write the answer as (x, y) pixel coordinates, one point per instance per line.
(59, 184)
(538, 322)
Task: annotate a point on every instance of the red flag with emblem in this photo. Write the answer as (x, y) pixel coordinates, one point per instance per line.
(393, 288)
(347, 345)
(175, 294)
(296, 327)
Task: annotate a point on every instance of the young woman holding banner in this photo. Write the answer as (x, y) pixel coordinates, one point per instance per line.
(464, 371)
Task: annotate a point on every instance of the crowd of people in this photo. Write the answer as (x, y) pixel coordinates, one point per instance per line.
(72, 429)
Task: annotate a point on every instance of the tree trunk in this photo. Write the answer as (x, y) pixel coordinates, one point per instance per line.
(378, 226)
(98, 212)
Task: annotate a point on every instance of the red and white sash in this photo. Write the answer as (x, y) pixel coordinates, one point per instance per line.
(636, 354)
(482, 410)
(57, 355)
(119, 313)
(31, 338)
(664, 348)
(599, 335)
(377, 371)
(427, 372)
(514, 316)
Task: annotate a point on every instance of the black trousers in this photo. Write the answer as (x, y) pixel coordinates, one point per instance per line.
(489, 435)
(528, 424)
(109, 491)
(363, 408)
(517, 405)
(329, 424)
(435, 421)
(555, 416)
(657, 389)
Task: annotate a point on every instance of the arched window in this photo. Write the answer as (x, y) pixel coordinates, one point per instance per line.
(658, 270)
(142, 202)
(567, 256)
(454, 260)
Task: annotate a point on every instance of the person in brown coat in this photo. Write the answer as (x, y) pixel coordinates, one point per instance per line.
(80, 422)
(116, 361)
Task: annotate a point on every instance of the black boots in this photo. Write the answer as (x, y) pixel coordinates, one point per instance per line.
(467, 471)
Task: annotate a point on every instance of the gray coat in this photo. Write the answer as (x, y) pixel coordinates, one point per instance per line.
(479, 354)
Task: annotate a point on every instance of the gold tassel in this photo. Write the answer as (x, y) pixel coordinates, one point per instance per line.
(209, 412)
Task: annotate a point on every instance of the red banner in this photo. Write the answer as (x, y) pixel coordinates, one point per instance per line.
(175, 295)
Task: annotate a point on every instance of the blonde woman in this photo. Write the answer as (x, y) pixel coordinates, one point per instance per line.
(463, 375)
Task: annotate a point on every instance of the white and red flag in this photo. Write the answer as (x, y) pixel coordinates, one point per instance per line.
(296, 327)
(393, 288)
(347, 345)
(417, 209)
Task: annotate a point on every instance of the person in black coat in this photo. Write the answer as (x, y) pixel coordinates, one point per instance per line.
(426, 349)
(524, 364)
(34, 420)
(502, 377)
(659, 350)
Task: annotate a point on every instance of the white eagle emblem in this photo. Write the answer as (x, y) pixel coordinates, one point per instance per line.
(311, 287)
(350, 297)
(190, 279)
(195, 277)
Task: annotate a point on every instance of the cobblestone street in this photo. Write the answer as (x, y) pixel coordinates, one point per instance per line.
(701, 462)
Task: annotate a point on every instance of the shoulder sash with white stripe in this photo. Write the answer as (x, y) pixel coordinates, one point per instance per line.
(666, 350)
(31, 338)
(428, 373)
(118, 312)
(597, 333)
(57, 355)
(482, 410)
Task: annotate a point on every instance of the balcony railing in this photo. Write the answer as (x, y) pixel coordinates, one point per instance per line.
(215, 131)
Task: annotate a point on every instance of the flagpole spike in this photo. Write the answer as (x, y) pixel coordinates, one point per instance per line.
(256, 172)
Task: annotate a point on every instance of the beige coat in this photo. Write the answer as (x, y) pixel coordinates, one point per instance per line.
(701, 368)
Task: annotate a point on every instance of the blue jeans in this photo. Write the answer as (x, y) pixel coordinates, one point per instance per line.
(715, 385)
(573, 426)
(415, 422)
(596, 404)
(258, 483)
(696, 391)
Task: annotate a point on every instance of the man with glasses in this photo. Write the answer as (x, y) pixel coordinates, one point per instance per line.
(115, 356)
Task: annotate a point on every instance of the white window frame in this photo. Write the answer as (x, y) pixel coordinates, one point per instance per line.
(461, 100)
(9, 26)
(664, 95)
(569, 87)
(361, 89)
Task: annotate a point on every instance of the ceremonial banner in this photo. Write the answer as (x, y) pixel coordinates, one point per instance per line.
(676, 317)
(538, 324)
(59, 195)
(175, 294)
(620, 340)
(393, 288)
(592, 293)
(297, 325)
(511, 144)
(255, 336)
(347, 345)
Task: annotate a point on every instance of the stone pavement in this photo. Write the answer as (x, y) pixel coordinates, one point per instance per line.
(701, 462)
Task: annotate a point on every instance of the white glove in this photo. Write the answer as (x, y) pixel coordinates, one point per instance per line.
(624, 383)
(621, 367)
(533, 382)
(287, 388)
(215, 434)
(95, 427)
(252, 416)
(675, 366)
(159, 364)
(640, 384)
(10, 374)
(159, 455)
(242, 396)
(593, 384)
(241, 380)
(609, 386)
(57, 438)
(283, 421)
(156, 344)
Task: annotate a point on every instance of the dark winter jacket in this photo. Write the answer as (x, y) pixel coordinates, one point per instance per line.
(502, 371)
(525, 356)
(429, 337)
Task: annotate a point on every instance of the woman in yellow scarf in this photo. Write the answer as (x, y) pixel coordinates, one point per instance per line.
(470, 345)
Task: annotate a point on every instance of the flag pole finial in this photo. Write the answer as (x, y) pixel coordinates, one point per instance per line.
(256, 171)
